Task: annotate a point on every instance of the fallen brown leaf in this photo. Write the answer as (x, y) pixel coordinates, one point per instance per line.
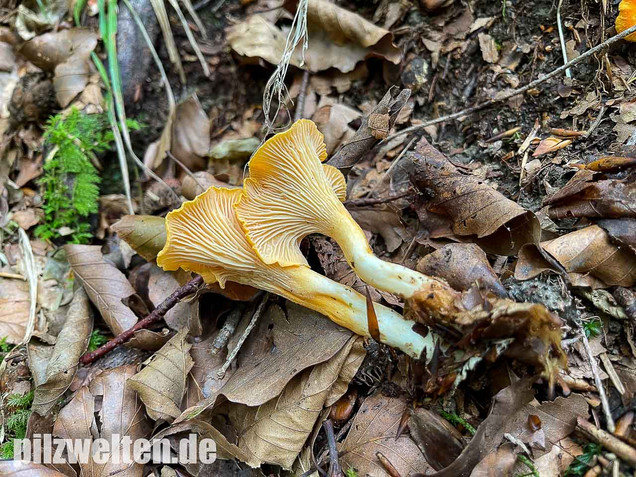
(587, 255)
(283, 344)
(19, 468)
(276, 431)
(440, 442)
(499, 463)
(462, 265)
(104, 284)
(550, 144)
(497, 224)
(185, 314)
(191, 134)
(66, 53)
(338, 39)
(14, 309)
(161, 384)
(146, 234)
(587, 196)
(622, 231)
(71, 343)
(506, 403)
(382, 220)
(333, 122)
(374, 429)
(106, 407)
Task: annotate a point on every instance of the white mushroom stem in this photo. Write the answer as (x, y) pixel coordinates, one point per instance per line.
(376, 272)
(348, 308)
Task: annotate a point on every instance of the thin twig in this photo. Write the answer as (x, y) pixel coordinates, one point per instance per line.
(228, 329)
(300, 105)
(611, 443)
(175, 297)
(29, 269)
(597, 379)
(518, 91)
(334, 465)
(261, 306)
(382, 200)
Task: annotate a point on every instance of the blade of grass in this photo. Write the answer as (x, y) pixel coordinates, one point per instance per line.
(191, 39)
(197, 21)
(77, 11)
(111, 51)
(121, 153)
(164, 23)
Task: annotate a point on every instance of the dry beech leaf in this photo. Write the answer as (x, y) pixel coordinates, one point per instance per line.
(66, 53)
(610, 163)
(70, 345)
(106, 407)
(275, 432)
(333, 122)
(498, 224)
(498, 463)
(202, 181)
(185, 314)
(146, 234)
(506, 403)
(203, 380)
(382, 220)
(587, 196)
(20, 468)
(161, 384)
(373, 430)
(587, 255)
(282, 345)
(338, 39)
(550, 144)
(14, 309)
(224, 449)
(462, 265)
(558, 420)
(191, 134)
(436, 437)
(622, 231)
(104, 284)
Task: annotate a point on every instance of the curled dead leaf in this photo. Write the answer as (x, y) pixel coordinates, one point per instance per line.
(374, 429)
(66, 53)
(161, 384)
(585, 195)
(14, 309)
(551, 144)
(498, 225)
(587, 255)
(338, 39)
(104, 284)
(71, 343)
(462, 265)
(146, 234)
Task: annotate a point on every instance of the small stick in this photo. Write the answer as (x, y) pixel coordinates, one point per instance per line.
(300, 106)
(607, 440)
(228, 329)
(261, 306)
(597, 380)
(516, 92)
(504, 134)
(334, 465)
(386, 463)
(382, 200)
(12, 275)
(175, 297)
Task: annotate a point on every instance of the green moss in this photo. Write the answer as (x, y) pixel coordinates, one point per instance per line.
(96, 340)
(17, 420)
(581, 464)
(458, 421)
(70, 182)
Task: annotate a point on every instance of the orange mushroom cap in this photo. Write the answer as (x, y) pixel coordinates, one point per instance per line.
(626, 18)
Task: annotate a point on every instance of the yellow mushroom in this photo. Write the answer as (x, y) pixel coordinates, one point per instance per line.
(204, 236)
(626, 18)
(290, 194)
